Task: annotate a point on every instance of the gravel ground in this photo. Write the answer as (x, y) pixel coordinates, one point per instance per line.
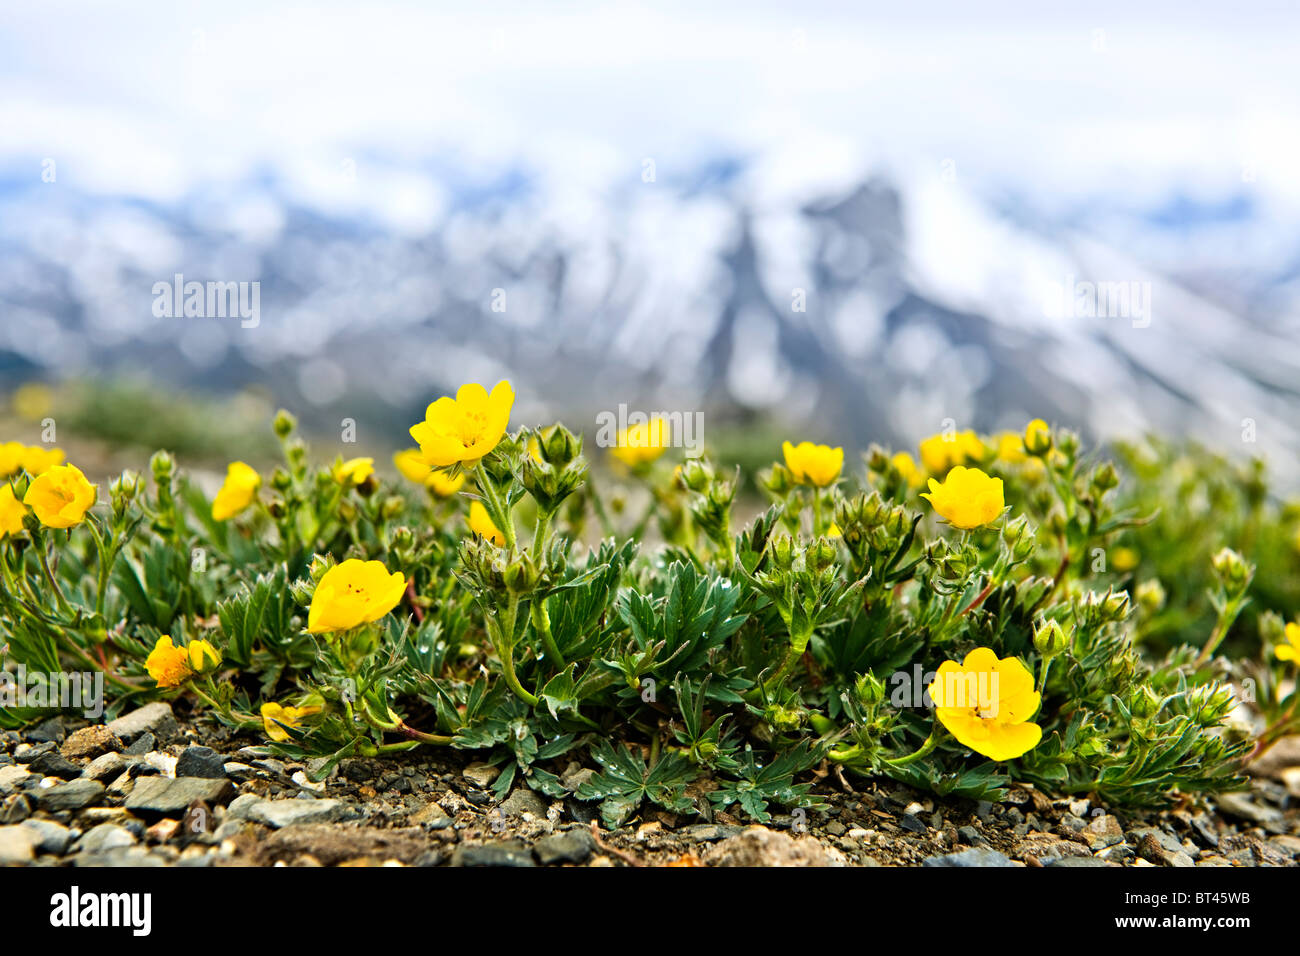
(149, 790)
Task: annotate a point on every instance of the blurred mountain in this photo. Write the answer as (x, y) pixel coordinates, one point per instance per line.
(875, 313)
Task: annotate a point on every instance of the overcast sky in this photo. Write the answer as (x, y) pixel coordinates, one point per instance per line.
(1121, 99)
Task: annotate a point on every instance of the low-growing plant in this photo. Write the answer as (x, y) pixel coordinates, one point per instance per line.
(990, 629)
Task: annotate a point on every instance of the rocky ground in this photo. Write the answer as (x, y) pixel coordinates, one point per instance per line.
(148, 790)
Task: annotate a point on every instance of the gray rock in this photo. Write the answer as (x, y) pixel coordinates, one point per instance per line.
(15, 809)
(1076, 861)
(979, 856)
(119, 856)
(11, 777)
(28, 752)
(524, 801)
(54, 764)
(492, 854)
(156, 719)
(571, 846)
(1240, 805)
(144, 744)
(165, 796)
(203, 762)
(47, 731)
(709, 832)
(110, 766)
(431, 816)
(106, 836)
(285, 813)
(73, 795)
(972, 836)
(1119, 853)
(48, 836)
(242, 806)
(481, 774)
(17, 845)
(574, 779)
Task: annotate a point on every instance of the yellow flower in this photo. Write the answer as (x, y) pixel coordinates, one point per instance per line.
(642, 444)
(481, 524)
(941, 452)
(168, 664)
(354, 593)
(906, 466)
(1011, 448)
(414, 468)
(819, 465)
(273, 715)
(33, 401)
(237, 493)
(464, 428)
(834, 531)
(12, 512)
(967, 498)
(37, 460)
(1125, 559)
(1290, 651)
(1038, 437)
(354, 471)
(11, 458)
(986, 704)
(60, 496)
(203, 657)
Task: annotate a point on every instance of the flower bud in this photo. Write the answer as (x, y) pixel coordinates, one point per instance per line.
(782, 551)
(1038, 438)
(521, 574)
(877, 459)
(821, 554)
(1116, 607)
(284, 424)
(1232, 570)
(1144, 703)
(162, 464)
(1150, 596)
(695, 475)
(1272, 628)
(1105, 477)
(319, 565)
(1049, 639)
(778, 480)
(203, 657)
(393, 507)
(558, 446)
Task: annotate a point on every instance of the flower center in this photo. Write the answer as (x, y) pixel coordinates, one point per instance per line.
(472, 426)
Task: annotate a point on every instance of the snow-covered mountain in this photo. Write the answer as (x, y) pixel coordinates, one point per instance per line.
(874, 312)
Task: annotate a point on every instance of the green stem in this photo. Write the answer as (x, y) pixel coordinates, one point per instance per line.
(44, 559)
(505, 644)
(496, 509)
(792, 654)
(541, 619)
(926, 748)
